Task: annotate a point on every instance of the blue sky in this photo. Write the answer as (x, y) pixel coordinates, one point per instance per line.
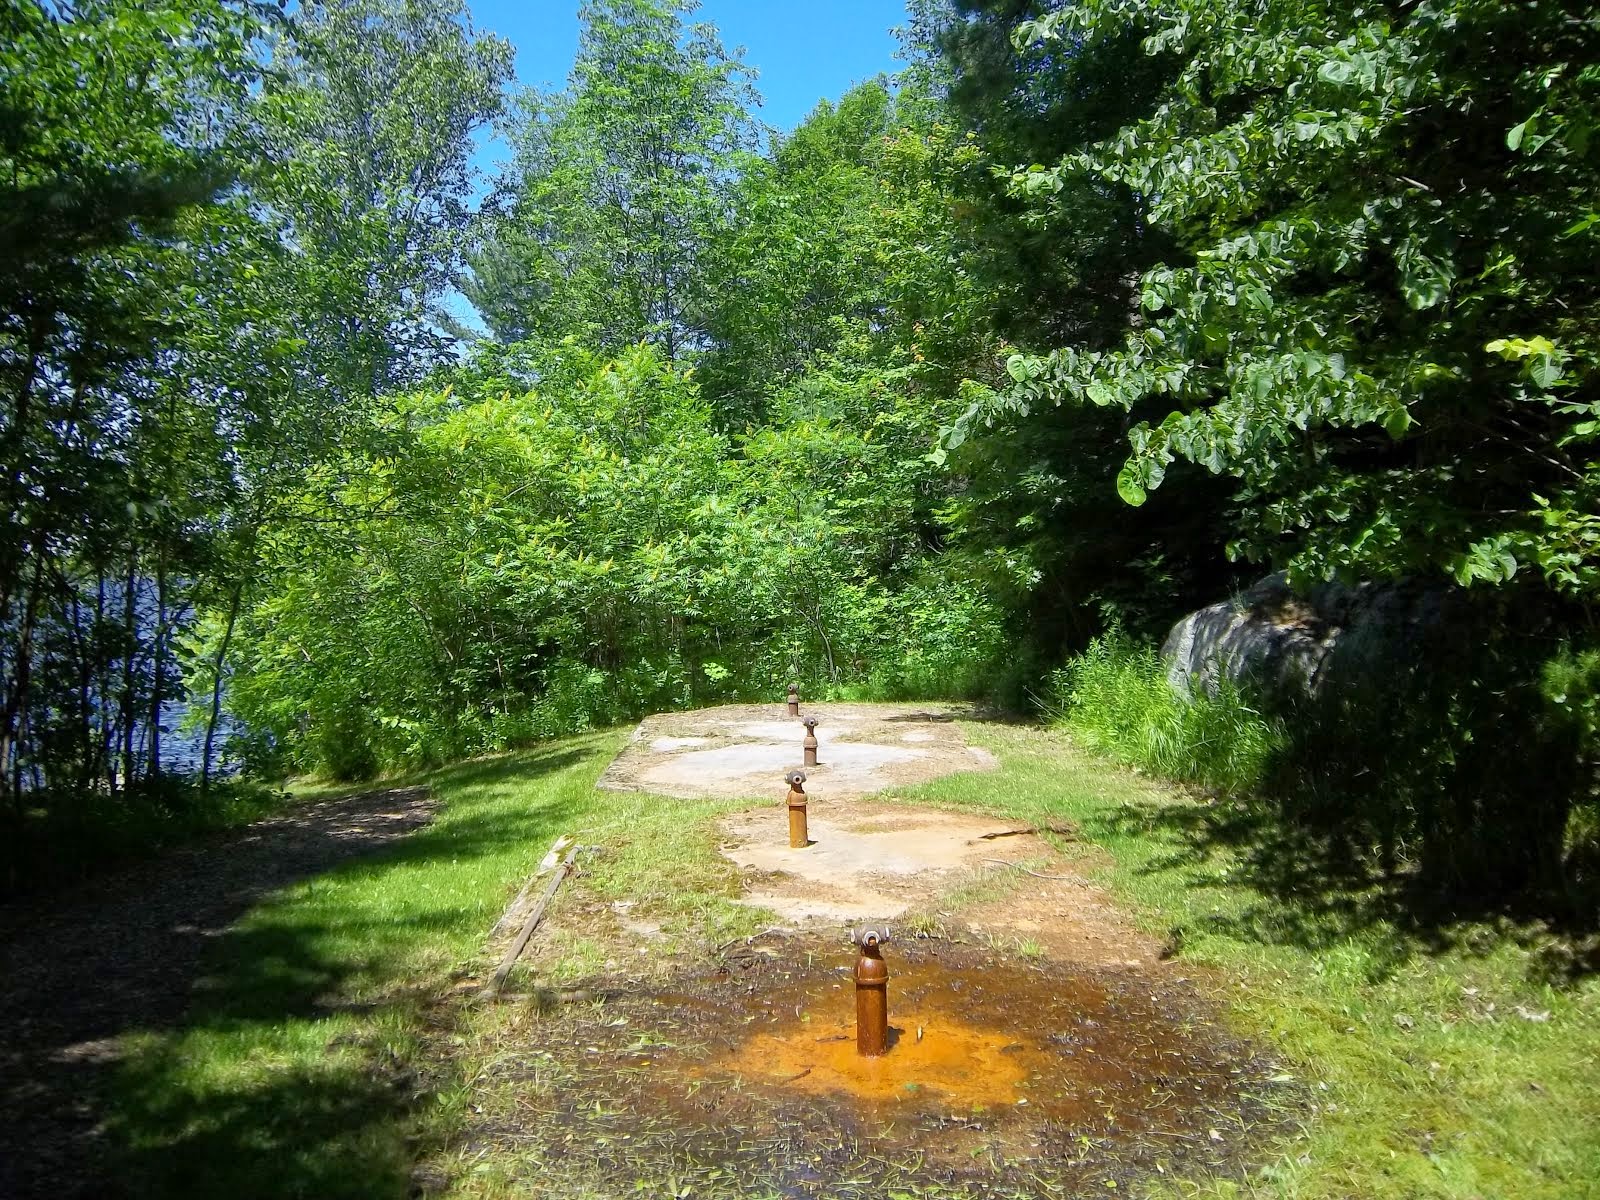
(806, 50)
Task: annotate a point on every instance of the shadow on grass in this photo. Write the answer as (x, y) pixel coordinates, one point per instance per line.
(232, 1089)
(301, 1132)
(1318, 887)
(65, 840)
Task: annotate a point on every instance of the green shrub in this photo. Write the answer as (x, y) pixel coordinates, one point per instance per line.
(939, 640)
(1403, 774)
(1571, 692)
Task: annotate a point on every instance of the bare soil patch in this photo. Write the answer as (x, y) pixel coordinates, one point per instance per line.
(123, 954)
(1005, 1077)
(955, 871)
(744, 750)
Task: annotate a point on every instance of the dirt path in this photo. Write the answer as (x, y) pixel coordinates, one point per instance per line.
(1039, 1040)
(81, 968)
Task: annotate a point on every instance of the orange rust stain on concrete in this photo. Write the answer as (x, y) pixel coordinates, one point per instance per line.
(953, 1043)
(966, 1066)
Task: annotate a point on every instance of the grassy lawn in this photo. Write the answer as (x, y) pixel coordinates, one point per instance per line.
(1436, 1066)
(326, 1059)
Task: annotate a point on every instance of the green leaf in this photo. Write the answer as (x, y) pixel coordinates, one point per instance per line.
(1545, 369)
(1424, 279)
(1129, 488)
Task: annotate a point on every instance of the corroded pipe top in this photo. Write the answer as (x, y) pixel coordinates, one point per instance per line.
(870, 938)
(795, 779)
(811, 724)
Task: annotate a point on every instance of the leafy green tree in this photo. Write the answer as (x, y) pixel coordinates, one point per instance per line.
(804, 255)
(1033, 515)
(368, 123)
(506, 562)
(119, 139)
(1381, 321)
(364, 196)
(1377, 325)
(617, 185)
(846, 239)
(209, 267)
(1066, 271)
(505, 566)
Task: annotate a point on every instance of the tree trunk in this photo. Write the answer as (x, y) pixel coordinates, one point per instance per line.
(16, 706)
(216, 688)
(157, 671)
(88, 759)
(128, 703)
(105, 740)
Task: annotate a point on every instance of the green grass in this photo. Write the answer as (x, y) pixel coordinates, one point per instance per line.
(320, 1060)
(300, 1071)
(1116, 700)
(1423, 1075)
(66, 838)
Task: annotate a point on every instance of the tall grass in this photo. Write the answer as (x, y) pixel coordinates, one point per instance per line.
(1116, 699)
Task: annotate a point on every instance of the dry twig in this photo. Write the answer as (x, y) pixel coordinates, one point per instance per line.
(1019, 867)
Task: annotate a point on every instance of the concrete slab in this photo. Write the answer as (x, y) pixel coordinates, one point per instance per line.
(865, 862)
(668, 745)
(745, 750)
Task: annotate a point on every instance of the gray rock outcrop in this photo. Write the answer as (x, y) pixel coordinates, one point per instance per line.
(1274, 637)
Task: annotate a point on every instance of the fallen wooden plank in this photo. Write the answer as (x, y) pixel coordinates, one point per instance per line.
(546, 864)
(531, 924)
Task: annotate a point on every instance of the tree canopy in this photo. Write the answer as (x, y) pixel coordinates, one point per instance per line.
(1088, 317)
(618, 185)
(1378, 311)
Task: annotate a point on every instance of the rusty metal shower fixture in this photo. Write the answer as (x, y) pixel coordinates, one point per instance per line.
(872, 993)
(798, 839)
(794, 699)
(810, 744)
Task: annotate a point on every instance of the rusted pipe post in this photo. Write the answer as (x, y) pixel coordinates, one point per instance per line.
(797, 810)
(872, 994)
(810, 744)
(794, 699)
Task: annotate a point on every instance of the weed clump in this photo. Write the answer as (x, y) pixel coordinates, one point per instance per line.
(1116, 699)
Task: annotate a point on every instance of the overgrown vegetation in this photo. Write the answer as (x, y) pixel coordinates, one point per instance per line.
(1364, 310)
(1351, 771)
(203, 290)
